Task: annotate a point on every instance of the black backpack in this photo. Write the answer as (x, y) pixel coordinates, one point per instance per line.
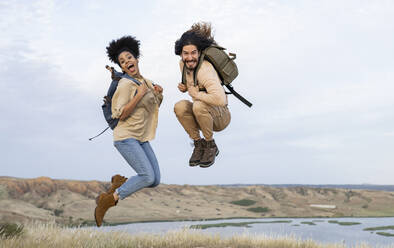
(224, 65)
(107, 105)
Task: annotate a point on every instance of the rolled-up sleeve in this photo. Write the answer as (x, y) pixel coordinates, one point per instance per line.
(158, 96)
(123, 94)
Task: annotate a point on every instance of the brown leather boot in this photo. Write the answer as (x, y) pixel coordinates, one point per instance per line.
(197, 152)
(210, 152)
(117, 181)
(104, 201)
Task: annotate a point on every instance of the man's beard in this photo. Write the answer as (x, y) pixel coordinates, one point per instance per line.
(192, 68)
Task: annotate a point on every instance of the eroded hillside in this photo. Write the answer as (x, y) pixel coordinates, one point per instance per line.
(73, 202)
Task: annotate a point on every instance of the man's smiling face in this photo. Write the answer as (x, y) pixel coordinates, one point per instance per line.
(190, 55)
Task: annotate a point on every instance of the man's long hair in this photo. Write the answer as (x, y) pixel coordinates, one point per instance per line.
(200, 35)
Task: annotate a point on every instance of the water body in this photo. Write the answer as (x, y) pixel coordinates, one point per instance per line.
(322, 231)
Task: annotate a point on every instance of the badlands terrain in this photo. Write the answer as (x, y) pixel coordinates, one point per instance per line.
(72, 202)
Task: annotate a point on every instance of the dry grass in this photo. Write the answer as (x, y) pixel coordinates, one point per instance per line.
(52, 235)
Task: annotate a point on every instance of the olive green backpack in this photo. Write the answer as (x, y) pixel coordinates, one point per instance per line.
(224, 65)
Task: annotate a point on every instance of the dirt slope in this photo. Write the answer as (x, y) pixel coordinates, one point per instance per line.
(67, 201)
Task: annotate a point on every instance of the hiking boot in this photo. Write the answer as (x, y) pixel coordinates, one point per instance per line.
(116, 181)
(197, 152)
(104, 201)
(210, 152)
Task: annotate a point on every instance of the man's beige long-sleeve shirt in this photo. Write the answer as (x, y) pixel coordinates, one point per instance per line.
(208, 79)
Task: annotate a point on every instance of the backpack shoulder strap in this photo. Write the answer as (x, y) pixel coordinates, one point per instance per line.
(241, 98)
(125, 75)
(184, 74)
(116, 76)
(200, 60)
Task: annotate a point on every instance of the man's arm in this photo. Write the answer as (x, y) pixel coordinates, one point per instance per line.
(181, 87)
(209, 79)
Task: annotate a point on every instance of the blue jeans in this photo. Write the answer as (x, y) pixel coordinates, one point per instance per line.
(140, 156)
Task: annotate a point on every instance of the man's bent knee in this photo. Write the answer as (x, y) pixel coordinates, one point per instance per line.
(199, 107)
(181, 107)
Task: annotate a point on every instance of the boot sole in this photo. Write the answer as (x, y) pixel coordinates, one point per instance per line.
(208, 165)
(192, 164)
(95, 218)
(95, 210)
(97, 199)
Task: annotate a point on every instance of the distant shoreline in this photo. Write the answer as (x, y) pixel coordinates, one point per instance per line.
(384, 187)
(387, 187)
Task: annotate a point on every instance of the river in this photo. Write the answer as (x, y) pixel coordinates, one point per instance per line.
(322, 230)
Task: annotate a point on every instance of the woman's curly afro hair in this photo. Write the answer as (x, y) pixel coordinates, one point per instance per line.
(126, 43)
(199, 35)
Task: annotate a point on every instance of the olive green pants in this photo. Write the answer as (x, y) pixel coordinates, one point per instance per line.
(196, 116)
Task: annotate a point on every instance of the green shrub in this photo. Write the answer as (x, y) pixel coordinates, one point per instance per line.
(349, 223)
(205, 226)
(379, 228)
(259, 209)
(58, 212)
(237, 224)
(344, 223)
(308, 223)
(386, 234)
(9, 230)
(244, 202)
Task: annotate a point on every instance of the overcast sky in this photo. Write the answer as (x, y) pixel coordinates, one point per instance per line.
(320, 75)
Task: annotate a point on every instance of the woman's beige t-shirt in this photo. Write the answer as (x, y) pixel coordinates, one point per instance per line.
(142, 122)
